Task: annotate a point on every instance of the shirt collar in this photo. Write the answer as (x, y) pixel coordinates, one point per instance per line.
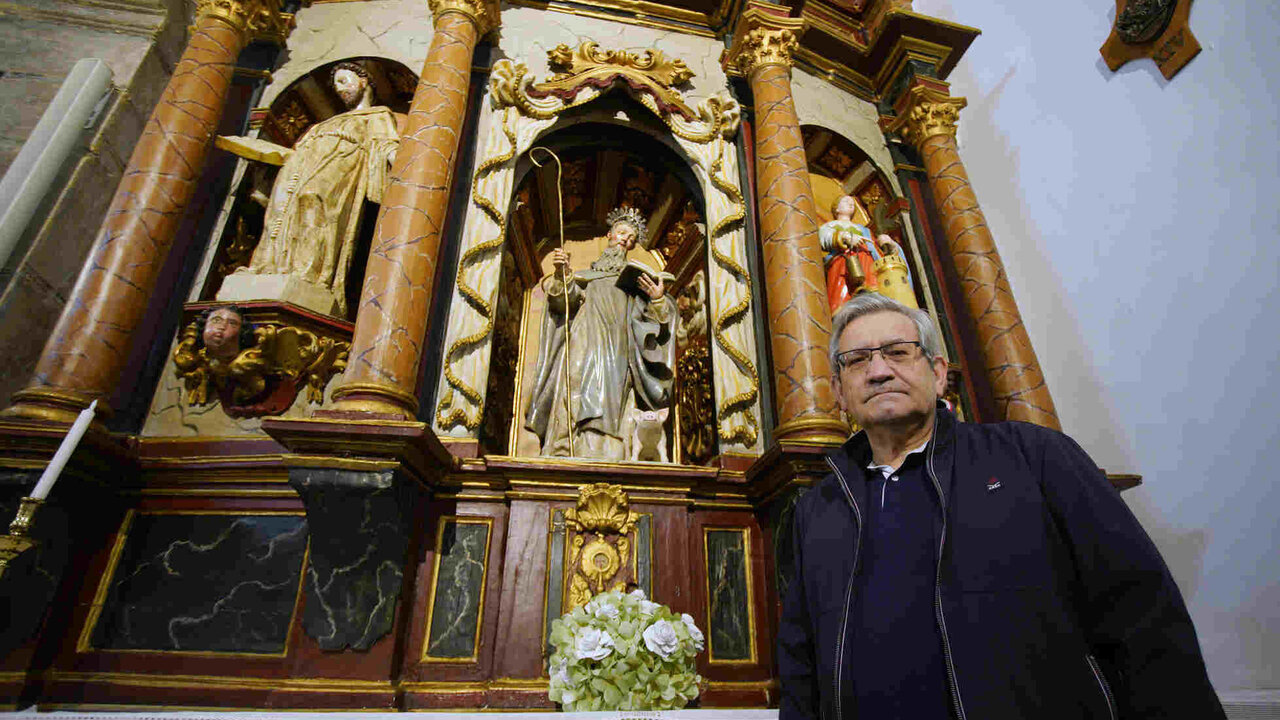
(888, 470)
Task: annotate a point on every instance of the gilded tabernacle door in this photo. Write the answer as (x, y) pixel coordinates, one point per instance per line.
(602, 302)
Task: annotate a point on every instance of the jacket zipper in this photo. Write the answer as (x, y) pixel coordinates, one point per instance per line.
(937, 582)
(1102, 682)
(848, 593)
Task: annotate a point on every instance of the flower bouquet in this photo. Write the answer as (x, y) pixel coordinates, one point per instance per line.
(623, 652)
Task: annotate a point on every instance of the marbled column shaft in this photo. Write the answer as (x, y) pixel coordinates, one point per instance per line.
(382, 372)
(1011, 364)
(84, 356)
(799, 318)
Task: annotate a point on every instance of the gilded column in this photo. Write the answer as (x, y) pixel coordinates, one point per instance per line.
(83, 357)
(799, 318)
(382, 372)
(927, 118)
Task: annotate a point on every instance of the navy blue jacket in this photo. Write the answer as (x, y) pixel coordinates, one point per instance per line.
(1051, 600)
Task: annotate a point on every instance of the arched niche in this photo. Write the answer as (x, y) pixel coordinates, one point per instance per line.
(306, 101)
(697, 143)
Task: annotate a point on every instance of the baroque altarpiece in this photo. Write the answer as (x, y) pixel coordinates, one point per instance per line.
(413, 325)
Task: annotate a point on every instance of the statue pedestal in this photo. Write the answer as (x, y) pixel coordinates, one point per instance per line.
(286, 288)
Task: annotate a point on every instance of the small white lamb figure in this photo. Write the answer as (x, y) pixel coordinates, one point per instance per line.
(648, 438)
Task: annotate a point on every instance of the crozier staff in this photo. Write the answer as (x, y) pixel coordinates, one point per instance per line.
(948, 570)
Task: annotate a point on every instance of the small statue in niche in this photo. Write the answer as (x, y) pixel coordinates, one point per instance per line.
(856, 262)
(313, 211)
(253, 371)
(619, 325)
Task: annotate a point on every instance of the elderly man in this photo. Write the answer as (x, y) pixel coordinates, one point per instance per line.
(950, 570)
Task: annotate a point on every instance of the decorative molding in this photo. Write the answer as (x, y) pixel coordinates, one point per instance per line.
(924, 112)
(484, 13)
(765, 36)
(253, 19)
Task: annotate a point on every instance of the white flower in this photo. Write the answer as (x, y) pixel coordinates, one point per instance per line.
(637, 593)
(661, 639)
(648, 608)
(605, 611)
(560, 673)
(592, 643)
(694, 632)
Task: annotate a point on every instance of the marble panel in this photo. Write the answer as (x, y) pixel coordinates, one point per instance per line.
(528, 33)
(458, 588)
(728, 596)
(555, 575)
(858, 121)
(782, 515)
(359, 537)
(204, 583)
(397, 29)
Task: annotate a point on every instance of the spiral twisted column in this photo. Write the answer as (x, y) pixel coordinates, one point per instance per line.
(799, 318)
(86, 352)
(382, 372)
(927, 118)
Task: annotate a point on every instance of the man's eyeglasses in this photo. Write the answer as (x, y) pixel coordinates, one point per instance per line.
(895, 353)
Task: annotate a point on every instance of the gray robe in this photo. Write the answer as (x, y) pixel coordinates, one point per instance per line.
(622, 352)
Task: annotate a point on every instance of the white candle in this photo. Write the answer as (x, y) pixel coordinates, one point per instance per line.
(61, 457)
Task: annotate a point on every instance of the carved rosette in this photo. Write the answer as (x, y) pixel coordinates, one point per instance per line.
(600, 529)
(929, 112)
(484, 13)
(264, 379)
(253, 19)
(765, 36)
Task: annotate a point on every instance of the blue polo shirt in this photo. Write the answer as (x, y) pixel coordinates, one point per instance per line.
(895, 648)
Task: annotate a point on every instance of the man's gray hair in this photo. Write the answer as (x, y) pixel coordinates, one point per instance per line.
(868, 303)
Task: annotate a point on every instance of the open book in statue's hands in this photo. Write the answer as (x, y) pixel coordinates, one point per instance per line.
(629, 278)
(256, 149)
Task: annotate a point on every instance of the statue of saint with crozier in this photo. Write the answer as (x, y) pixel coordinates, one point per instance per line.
(619, 326)
(313, 211)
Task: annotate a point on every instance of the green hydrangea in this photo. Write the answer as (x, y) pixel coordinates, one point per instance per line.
(621, 651)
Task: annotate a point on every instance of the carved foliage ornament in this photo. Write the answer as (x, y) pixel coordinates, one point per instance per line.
(263, 379)
(929, 113)
(484, 13)
(602, 510)
(650, 72)
(251, 18)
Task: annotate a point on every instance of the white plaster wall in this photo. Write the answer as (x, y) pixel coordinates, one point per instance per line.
(821, 103)
(1138, 223)
(397, 29)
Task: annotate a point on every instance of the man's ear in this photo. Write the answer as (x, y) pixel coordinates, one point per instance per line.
(835, 388)
(939, 375)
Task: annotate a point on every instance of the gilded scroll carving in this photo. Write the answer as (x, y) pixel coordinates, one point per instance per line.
(600, 530)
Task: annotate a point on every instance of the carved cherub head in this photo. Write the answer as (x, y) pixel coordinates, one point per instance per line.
(351, 81)
(223, 332)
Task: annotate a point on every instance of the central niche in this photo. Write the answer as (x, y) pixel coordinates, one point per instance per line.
(605, 166)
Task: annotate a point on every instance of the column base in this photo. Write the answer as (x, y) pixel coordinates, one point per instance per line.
(47, 404)
(370, 400)
(825, 431)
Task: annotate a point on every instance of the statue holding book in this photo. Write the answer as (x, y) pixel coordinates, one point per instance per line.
(618, 325)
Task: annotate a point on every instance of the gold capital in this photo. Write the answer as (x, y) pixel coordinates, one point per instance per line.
(252, 19)
(484, 13)
(765, 36)
(926, 112)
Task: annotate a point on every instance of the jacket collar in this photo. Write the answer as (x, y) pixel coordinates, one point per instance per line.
(855, 454)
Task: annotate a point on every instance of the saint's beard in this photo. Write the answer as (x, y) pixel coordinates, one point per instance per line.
(611, 259)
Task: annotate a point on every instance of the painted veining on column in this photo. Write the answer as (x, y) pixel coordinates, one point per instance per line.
(386, 347)
(84, 355)
(799, 318)
(928, 118)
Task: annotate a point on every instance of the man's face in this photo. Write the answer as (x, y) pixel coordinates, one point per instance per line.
(222, 334)
(880, 392)
(623, 235)
(349, 85)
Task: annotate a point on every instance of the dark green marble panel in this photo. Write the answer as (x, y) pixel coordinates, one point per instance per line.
(459, 590)
(729, 610)
(211, 583)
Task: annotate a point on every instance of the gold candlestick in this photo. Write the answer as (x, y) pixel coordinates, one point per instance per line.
(17, 541)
